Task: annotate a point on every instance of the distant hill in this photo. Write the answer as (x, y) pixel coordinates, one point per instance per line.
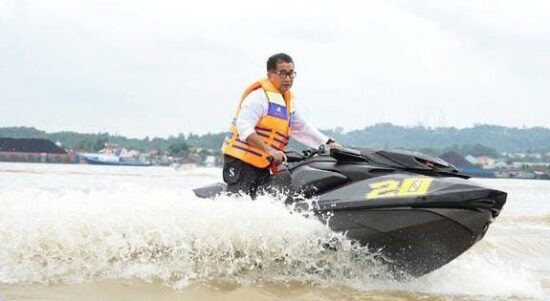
(385, 135)
(503, 139)
(87, 141)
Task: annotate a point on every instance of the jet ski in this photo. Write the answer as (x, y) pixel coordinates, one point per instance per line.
(418, 211)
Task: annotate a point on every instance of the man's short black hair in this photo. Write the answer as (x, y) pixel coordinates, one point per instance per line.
(273, 60)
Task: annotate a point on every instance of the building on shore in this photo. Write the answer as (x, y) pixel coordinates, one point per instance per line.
(465, 167)
(33, 150)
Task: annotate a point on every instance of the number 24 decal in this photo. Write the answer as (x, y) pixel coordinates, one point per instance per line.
(405, 187)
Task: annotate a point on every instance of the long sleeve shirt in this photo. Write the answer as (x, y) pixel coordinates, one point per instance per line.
(255, 106)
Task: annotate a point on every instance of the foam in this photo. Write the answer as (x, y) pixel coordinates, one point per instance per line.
(73, 236)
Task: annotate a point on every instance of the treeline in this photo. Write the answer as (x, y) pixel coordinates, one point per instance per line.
(94, 142)
(478, 140)
(500, 138)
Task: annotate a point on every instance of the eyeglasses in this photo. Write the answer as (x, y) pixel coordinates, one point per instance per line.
(283, 74)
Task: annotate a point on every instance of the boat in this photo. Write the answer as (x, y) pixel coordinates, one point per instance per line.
(418, 212)
(104, 159)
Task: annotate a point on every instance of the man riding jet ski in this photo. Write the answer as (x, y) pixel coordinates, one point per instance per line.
(265, 120)
(417, 209)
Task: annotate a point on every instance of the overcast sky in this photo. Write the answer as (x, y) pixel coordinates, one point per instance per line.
(158, 68)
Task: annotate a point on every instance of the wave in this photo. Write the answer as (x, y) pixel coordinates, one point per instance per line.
(170, 236)
(543, 219)
(80, 236)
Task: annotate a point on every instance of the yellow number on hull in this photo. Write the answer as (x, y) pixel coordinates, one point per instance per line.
(383, 189)
(406, 187)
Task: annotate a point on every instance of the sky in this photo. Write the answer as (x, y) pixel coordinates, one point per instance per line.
(158, 68)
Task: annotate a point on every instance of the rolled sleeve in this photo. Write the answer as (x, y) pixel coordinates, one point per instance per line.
(244, 130)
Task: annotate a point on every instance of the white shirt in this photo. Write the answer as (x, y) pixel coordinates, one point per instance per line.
(255, 106)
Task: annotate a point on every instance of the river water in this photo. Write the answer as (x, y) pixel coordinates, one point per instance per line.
(82, 232)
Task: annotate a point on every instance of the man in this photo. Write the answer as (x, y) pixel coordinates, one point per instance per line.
(265, 120)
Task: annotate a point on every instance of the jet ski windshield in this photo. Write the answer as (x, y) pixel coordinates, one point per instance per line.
(409, 160)
(400, 159)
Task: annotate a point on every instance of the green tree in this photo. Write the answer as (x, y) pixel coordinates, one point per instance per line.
(203, 153)
(179, 149)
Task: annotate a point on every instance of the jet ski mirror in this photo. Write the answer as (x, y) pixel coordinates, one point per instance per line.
(311, 152)
(294, 156)
(347, 154)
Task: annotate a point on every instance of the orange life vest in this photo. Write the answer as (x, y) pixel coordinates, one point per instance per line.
(273, 129)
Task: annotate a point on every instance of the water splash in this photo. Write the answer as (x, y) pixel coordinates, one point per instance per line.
(81, 223)
(74, 236)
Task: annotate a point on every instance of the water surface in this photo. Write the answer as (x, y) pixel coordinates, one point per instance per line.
(82, 232)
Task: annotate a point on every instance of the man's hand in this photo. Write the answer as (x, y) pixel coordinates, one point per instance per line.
(332, 143)
(278, 157)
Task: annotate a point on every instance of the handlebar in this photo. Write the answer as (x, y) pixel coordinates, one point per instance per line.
(294, 156)
(339, 153)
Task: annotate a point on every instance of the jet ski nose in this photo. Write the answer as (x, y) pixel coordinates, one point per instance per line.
(499, 198)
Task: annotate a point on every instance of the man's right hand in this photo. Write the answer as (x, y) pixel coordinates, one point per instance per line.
(277, 156)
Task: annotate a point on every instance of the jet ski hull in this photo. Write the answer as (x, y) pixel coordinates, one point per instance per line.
(418, 223)
(413, 241)
(417, 212)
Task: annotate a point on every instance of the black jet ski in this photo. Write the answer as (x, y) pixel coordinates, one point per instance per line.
(419, 211)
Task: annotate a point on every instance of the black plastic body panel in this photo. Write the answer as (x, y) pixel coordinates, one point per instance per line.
(417, 209)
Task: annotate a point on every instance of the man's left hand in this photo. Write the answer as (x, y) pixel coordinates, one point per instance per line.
(334, 145)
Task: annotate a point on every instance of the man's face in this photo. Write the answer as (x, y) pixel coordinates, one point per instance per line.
(283, 77)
